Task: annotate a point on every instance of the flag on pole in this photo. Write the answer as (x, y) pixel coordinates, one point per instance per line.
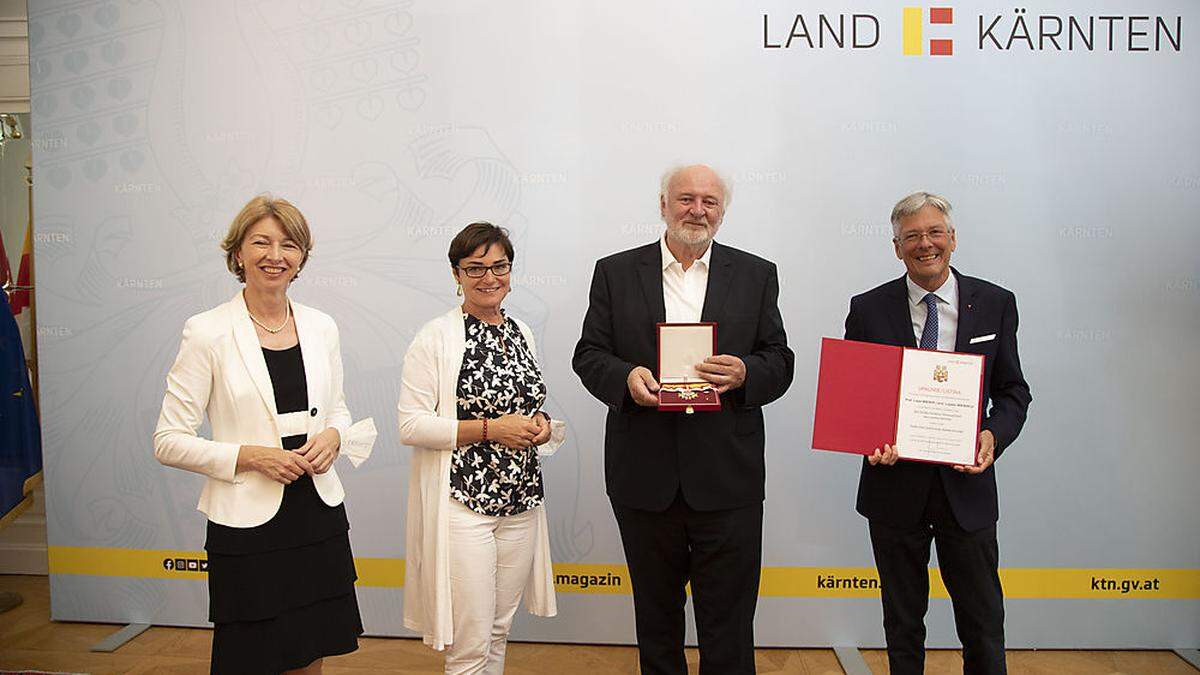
(20, 299)
(20, 437)
(5, 269)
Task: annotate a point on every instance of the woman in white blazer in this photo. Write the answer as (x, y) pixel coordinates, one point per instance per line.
(268, 373)
(471, 399)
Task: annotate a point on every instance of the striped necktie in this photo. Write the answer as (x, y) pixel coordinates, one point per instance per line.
(929, 334)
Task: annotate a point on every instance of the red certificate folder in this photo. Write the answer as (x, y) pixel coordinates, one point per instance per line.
(681, 346)
(858, 397)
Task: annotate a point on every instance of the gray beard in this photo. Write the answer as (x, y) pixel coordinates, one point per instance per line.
(689, 237)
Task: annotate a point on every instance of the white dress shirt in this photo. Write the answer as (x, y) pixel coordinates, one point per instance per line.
(684, 290)
(947, 308)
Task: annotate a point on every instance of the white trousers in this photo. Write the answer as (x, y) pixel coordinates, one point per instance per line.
(491, 559)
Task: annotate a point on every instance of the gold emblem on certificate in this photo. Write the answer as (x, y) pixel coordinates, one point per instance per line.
(941, 374)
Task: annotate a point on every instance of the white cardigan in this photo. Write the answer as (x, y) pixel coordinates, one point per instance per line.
(428, 410)
(221, 371)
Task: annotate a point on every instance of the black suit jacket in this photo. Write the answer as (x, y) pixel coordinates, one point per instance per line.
(896, 495)
(715, 457)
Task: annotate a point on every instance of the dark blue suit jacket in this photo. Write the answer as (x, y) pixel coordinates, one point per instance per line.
(897, 494)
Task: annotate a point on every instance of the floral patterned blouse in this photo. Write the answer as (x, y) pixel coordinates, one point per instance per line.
(499, 376)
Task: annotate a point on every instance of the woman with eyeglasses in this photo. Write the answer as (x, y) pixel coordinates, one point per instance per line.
(471, 398)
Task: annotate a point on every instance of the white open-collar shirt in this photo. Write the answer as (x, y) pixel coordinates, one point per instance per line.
(684, 290)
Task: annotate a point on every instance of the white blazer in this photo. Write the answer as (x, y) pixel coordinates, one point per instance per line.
(221, 371)
(428, 411)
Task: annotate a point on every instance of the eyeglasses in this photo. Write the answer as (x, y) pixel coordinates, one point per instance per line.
(500, 269)
(935, 235)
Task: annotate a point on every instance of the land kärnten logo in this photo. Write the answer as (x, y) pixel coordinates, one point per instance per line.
(914, 41)
(1020, 30)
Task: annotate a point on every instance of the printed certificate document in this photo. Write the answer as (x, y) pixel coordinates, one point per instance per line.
(925, 403)
(938, 415)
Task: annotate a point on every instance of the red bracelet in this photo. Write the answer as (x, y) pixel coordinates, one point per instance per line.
(485, 428)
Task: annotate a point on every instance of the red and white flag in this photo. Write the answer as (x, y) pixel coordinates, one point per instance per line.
(5, 269)
(20, 300)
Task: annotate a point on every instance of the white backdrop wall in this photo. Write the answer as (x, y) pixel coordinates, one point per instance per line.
(1075, 174)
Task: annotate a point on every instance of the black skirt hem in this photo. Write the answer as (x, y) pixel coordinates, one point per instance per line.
(261, 586)
(292, 640)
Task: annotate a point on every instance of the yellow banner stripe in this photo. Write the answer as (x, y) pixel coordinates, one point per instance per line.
(912, 31)
(122, 562)
(592, 579)
(606, 579)
(1167, 584)
(385, 572)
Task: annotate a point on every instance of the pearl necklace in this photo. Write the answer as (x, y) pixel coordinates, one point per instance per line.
(287, 315)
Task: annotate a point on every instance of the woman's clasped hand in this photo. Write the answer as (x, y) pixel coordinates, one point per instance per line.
(519, 431)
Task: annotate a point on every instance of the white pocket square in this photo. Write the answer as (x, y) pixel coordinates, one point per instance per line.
(983, 338)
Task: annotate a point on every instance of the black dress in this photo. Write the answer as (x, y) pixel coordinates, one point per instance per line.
(281, 594)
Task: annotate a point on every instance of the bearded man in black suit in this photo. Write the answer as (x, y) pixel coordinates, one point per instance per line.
(687, 490)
